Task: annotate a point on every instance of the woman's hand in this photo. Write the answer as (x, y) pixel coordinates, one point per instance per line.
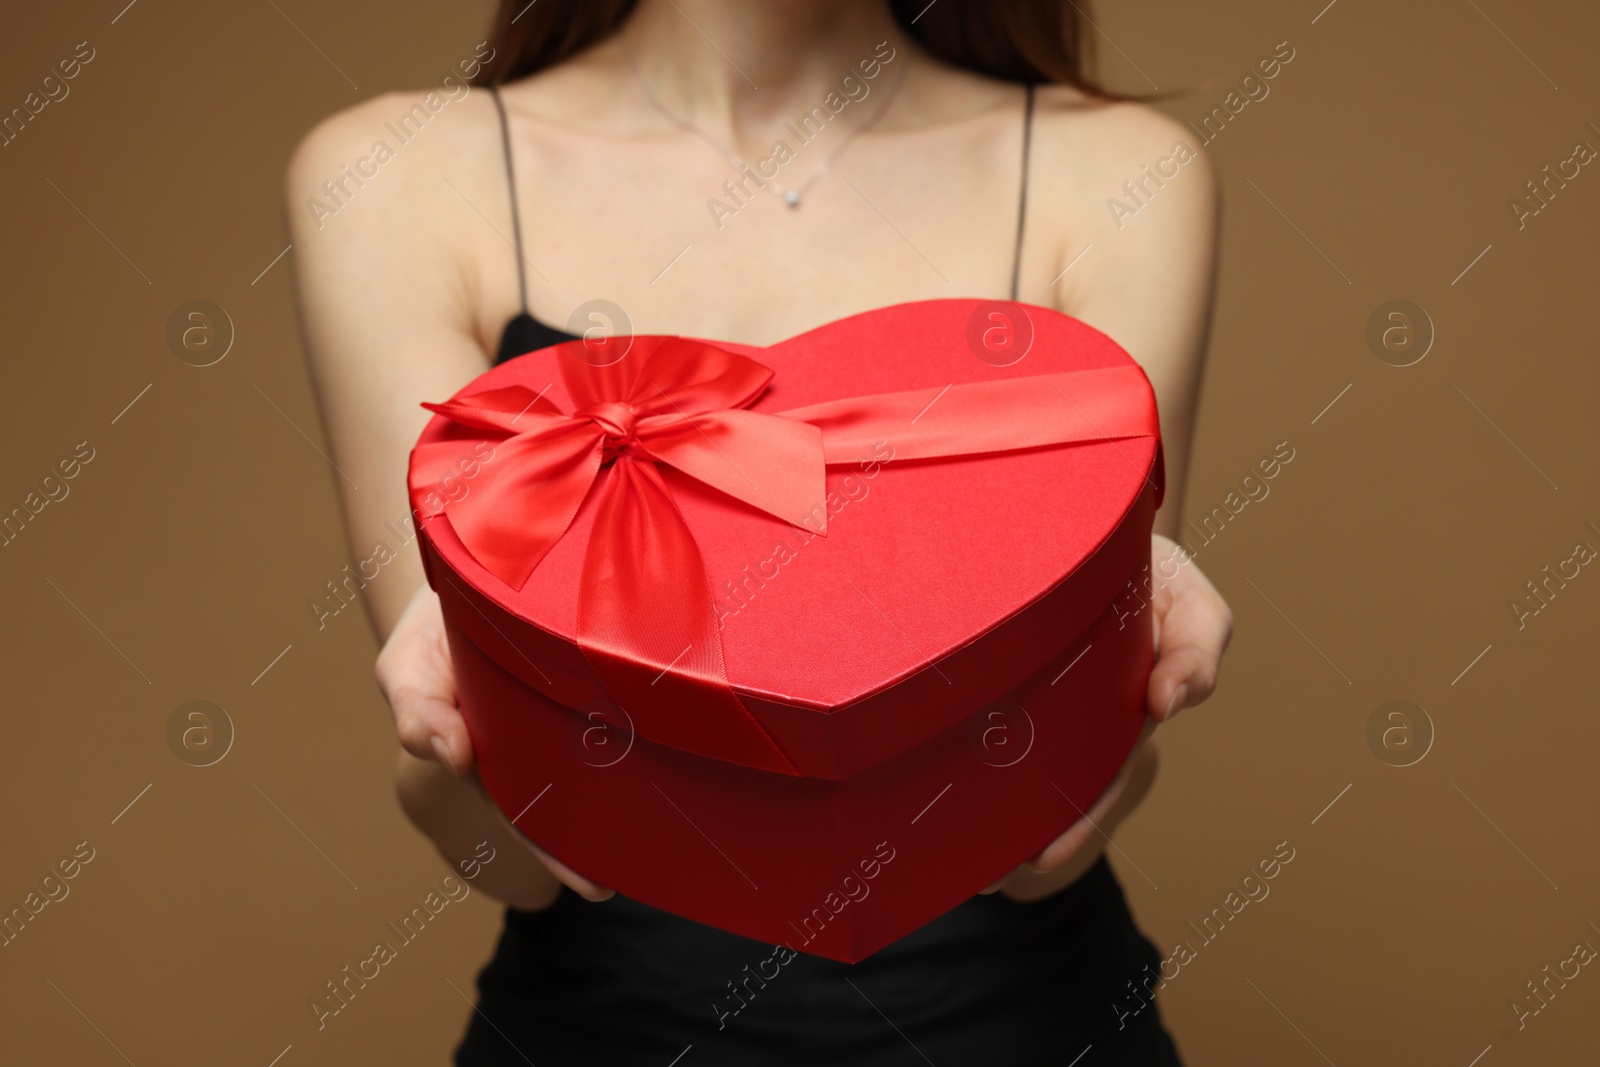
(419, 681)
(1069, 856)
(460, 819)
(433, 779)
(1193, 625)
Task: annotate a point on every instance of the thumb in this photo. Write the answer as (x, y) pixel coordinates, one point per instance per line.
(1193, 634)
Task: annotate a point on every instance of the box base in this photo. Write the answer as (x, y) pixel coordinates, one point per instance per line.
(837, 869)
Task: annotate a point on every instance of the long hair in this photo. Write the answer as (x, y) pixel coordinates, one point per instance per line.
(1028, 41)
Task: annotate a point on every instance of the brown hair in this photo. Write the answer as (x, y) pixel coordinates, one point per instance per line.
(1029, 41)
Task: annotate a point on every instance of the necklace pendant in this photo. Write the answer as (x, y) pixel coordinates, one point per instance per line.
(792, 198)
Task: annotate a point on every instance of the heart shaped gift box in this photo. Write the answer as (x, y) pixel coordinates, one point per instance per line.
(808, 643)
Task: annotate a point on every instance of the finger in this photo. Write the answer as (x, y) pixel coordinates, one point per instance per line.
(997, 885)
(430, 727)
(451, 741)
(584, 887)
(1065, 846)
(1194, 633)
(417, 677)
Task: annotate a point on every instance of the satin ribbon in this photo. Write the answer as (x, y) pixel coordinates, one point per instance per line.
(646, 621)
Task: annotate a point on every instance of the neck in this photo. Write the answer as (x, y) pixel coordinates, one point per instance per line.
(741, 67)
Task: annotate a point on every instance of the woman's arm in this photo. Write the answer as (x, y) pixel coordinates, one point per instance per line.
(386, 311)
(387, 301)
(1147, 279)
(1151, 289)
(1192, 626)
(1148, 276)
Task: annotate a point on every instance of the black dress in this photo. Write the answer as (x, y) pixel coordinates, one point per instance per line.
(993, 982)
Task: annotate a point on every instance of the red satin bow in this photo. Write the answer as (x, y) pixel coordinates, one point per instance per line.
(646, 620)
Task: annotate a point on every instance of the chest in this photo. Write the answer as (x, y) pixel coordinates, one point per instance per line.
(682, 242)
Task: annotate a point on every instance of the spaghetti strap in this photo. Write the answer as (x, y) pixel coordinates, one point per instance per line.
(511, 183)
(1022, 194)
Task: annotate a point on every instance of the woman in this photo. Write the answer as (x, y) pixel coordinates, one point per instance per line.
(963, 156)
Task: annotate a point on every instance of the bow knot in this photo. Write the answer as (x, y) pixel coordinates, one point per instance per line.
(618, 420)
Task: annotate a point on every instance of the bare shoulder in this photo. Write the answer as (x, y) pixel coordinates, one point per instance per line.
(393, 157)
(1131, 190)
(390, 204)
(1129, 200)
(1113, 129)
(400, 194)
(1109, 162)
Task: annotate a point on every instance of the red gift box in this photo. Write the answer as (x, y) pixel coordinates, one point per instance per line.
(811, 642)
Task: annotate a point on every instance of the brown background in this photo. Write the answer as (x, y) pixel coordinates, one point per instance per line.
(1415, 508)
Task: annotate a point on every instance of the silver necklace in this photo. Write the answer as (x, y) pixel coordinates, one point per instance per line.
(790, 195)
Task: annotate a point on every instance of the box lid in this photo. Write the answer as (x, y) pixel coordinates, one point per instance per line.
(939, 583)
